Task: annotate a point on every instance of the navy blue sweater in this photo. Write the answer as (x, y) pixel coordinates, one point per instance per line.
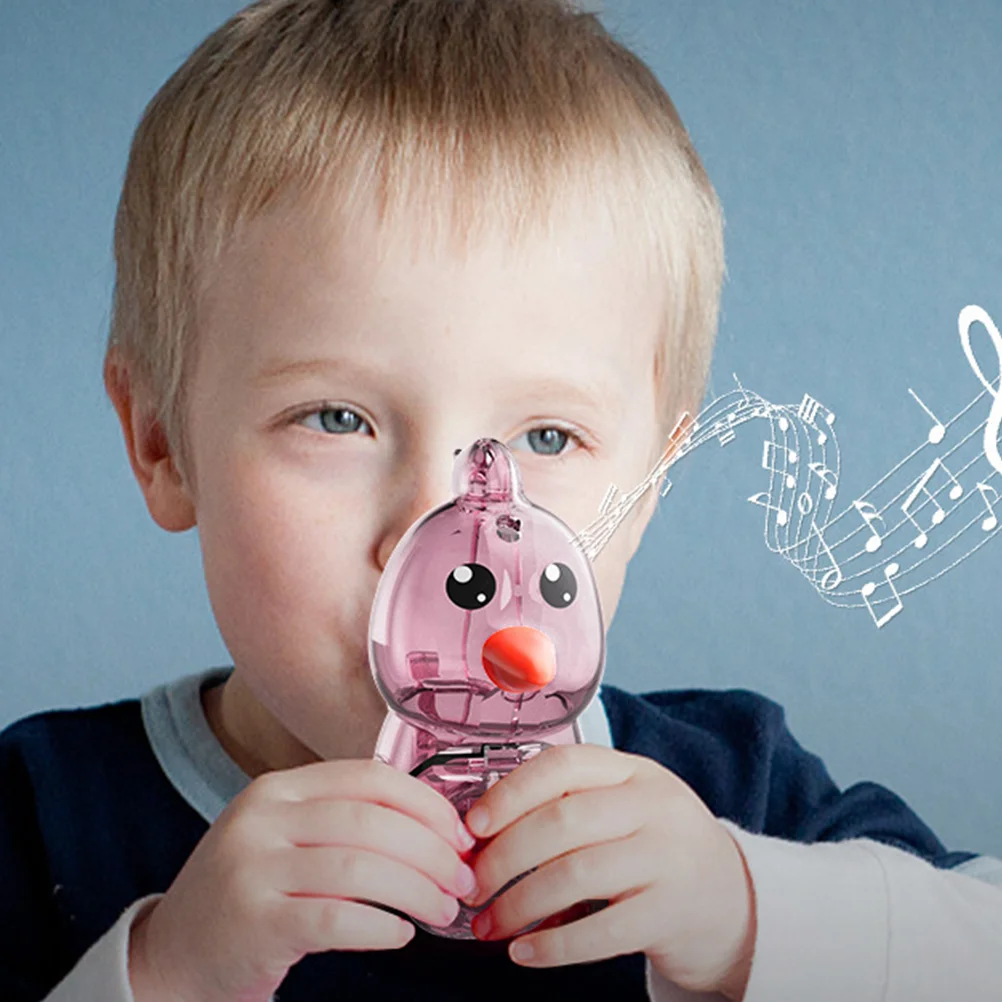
(89, 823)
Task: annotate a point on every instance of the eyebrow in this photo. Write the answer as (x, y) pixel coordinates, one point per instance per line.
(280, 371)
(598, 397)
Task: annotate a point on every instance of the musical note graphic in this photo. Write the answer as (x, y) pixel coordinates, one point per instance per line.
(808, 409)
(724, 430)
(828, 476)
(827, 549)
(833, 578)
(970, 315)
(991, 522)
(762, 499)
(869, 514)
(870, 587)
(808, 412)
(956, 491)
(745, 399)
(791, 481)
(614, 507)
(938, 431)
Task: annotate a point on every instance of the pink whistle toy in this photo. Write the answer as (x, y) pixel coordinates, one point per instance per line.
(485, 639)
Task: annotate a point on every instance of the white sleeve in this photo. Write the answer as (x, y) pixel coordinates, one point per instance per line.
(102, 973)
(864, 921)
(660, 989)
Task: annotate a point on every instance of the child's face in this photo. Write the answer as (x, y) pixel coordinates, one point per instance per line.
(330, 393)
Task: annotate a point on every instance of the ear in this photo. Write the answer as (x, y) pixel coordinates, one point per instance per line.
(167, 496)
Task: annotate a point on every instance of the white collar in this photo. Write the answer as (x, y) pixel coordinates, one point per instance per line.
(198, 766)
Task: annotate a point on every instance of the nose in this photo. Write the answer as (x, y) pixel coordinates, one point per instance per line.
(519, 659)
(420, 487)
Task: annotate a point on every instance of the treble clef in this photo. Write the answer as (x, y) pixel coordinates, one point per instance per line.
(970, 315)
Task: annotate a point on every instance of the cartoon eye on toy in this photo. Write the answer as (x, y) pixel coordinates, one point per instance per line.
(471, 586)
(558, 586)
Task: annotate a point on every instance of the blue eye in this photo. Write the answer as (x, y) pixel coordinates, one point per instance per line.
(548, 440)
(333, 420)
(552, 440)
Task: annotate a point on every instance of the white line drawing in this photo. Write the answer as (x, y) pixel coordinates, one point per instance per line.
(970, 315)
(938, 430)
(955, 491)
(870, 587)
(991, 520)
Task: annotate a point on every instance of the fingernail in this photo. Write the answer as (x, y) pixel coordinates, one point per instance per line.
(482, 925)
(466, 840)
(477, 820)
(467, 881)
(522, 951)
(450, 912)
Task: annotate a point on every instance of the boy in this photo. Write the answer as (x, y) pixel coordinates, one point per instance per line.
(354, 236)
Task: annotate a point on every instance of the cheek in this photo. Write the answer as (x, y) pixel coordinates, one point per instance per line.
(610, 572)
(276, 556)
(609, 566)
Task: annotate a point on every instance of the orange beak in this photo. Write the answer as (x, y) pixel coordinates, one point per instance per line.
(519, 659)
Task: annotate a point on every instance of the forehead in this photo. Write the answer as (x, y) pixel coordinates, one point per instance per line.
(304, 280)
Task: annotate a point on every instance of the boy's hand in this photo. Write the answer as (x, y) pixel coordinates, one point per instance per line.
(601, 824)
(292, 867)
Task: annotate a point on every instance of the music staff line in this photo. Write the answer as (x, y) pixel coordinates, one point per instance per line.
(907, 591)
(930, 501)
(796, 527)
(807, 562)
(893, 501)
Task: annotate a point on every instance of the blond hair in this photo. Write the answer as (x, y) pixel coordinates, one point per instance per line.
(467, 114)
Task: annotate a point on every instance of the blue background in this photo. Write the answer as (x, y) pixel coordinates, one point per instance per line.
(856, 148)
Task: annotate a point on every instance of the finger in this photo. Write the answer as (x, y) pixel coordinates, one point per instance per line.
(609, 871)
(621, 928)
(340, 872)
(552, 773)
(315, 925)
(364, 779)
(379, 829)
(579, 910)
(558, 827)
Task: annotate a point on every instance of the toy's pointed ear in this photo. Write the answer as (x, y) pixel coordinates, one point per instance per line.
(167, 496)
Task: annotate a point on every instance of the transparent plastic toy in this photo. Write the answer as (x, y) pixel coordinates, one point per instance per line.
(485, 639)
